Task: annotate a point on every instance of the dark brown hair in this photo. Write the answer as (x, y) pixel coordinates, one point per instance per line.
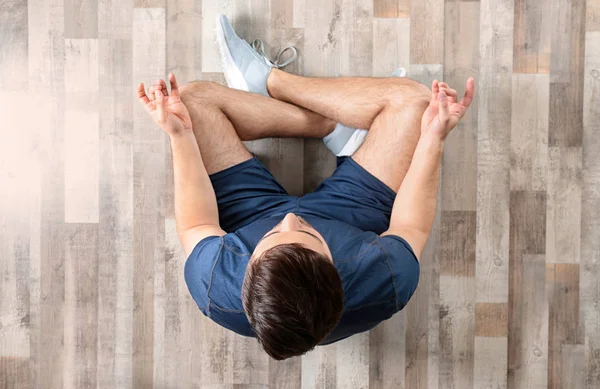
(293, 298)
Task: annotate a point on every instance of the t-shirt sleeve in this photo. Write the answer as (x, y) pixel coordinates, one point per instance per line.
(199, 267)
(404, 266)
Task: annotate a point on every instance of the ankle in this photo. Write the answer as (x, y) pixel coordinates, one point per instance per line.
(273, 83)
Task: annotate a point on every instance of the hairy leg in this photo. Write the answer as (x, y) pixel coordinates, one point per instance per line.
(353, 101)
(391, 108)
(255, 116)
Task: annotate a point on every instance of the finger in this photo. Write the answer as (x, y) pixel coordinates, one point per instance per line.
(174, 85)
(444, 113)
(141, 94)
(435, 89)
(163, 87)
(151, 92)
(469, 93)
(160, 107)
(451, 93)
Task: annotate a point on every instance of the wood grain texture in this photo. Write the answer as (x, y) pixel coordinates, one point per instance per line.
(461, 61)
(81, 305)
(590, 211)
(148, 191)
(391, 8)
(92, 291)
(564, 325)
(81, 18)
(457, 244)
(427, 43)
(491, 319)
(81, 131)
(493, 150)
(529, 132)
(115, 268)
(14, 45)
(563, 223)
(533, 34)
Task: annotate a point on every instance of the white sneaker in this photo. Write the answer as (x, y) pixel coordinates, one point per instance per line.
(247, 67)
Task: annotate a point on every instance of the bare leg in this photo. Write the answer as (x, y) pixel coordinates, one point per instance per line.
(353, 101)
(255, 116)
(391, 108)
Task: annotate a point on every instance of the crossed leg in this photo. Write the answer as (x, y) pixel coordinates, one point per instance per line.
(391, 108)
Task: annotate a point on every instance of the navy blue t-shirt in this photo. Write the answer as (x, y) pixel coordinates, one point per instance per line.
(379, 274)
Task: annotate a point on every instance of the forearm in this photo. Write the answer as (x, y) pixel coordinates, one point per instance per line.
(195, 201)
(414, 207)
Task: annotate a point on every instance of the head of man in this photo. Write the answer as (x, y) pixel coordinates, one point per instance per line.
(292, 292)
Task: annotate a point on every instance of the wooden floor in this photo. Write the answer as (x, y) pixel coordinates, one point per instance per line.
(91, 273)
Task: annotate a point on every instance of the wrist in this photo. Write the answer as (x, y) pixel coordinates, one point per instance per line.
(183, 134)
(432, 140)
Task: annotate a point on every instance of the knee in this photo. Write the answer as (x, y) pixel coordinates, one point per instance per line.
(408, 94)
(200, 91)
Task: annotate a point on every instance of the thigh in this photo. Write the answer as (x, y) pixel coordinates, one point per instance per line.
(219, 143)
(390, 144)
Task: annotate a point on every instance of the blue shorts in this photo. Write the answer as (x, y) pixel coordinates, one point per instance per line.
(248, 192)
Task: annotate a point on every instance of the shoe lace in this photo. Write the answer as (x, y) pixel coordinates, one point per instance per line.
(257, 45)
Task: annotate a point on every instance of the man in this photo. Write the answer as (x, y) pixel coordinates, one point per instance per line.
(296, 272)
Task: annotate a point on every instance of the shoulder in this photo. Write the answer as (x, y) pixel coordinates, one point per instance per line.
(217, 258)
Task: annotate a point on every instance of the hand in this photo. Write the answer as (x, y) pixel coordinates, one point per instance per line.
(168, 112)
(444, 113)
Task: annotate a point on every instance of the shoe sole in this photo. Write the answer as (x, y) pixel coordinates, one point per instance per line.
(235, 80)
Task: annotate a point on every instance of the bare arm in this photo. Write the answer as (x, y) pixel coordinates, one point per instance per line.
(414, 207)
(196, 211)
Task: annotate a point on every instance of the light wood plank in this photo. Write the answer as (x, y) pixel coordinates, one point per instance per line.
(357, 40)
(250, 362)
(299, 12)
(115, 19)
(491, 319)
(567, 41)
(592, 15)
(562, 285)
(352, 362)
(490, 362)
(387, 350)
(532, 33)
(81, 305)
(493, 150)
(149, 3)
(566, 74)
(148, 192)
(391, 8)
(391, 45)
(528, 308)
(14, 372)
(590, 211)
(81, 131)
(13, 46)
(81, 19)
(46, 54)
(282, 14)
(461, 60)
(426, 43)
(319, 368)
(563, 228)
(529, 132)
(457, 243)
(115, 269)
(572, 369)
(457, 331)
